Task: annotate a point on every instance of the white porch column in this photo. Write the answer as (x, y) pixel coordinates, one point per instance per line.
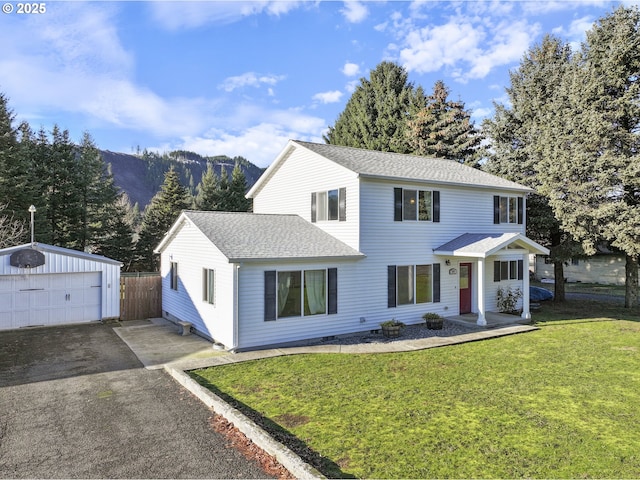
(526, 312)
(482, 321)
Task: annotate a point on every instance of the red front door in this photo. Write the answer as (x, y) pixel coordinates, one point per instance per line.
(465, 288)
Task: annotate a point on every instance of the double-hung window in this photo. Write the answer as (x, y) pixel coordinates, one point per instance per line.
(508, 210)
(508, 270)
(208, 285)
(420, 205)
(411, 284)
(300, 293)
(330, 205)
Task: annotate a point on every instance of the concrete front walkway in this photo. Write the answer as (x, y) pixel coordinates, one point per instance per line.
(157, 343)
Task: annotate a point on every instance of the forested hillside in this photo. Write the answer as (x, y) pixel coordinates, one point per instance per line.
(141, 175)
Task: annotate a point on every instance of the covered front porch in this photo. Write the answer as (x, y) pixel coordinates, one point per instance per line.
(493, 320)
(488, 262)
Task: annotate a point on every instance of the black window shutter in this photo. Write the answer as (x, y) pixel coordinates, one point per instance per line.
(332, 280)
(436, 282)
(313, 207)
(496, 271)
(496, 209)
(520, 210)
(397, 205)
(436, 205)
(342, 205)
(520, 269)
(391, 286)
(270, 295)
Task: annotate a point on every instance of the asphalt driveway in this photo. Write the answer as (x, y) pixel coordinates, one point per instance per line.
(75, 402)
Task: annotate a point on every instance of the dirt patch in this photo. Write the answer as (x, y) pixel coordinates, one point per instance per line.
(289, 421)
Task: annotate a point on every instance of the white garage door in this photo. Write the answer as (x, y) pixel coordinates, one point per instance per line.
(49, 299)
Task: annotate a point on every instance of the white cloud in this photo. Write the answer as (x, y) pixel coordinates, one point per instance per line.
(249, 79)
(430, 48)
(354, 11)
(258, 142)
(351, 69)
(352, 85)
(511, 40)
(328, 97)
(469, 47)
(177, 15)
(575, 33)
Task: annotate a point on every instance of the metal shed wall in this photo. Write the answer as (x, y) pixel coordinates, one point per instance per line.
(64, 260)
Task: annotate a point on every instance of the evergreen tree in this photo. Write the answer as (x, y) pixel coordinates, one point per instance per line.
(514, 151)
(160, 214)
(15, 172)
(375, 116)
(223, 190)
(591, 141)
(208, 194)
(65, 212)
(236, 199)
(105, 229)
(443, 129)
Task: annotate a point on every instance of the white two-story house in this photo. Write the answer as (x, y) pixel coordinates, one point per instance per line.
(342, 239)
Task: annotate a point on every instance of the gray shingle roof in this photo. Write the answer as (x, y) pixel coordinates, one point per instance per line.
(370, 163)
(252, 236)
(485, 244)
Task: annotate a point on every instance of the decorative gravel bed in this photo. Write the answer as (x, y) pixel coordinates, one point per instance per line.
(410, 332)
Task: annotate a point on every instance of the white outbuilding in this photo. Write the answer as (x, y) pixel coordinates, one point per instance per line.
(47, 285)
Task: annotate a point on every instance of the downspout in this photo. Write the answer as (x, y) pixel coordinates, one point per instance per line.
(236, 306)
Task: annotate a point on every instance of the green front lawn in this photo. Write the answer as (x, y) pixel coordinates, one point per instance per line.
(561, 402)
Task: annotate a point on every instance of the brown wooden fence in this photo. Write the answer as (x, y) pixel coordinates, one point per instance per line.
(140, 296)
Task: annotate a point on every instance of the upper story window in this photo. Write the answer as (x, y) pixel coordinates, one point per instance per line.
(330, 205)
(508, 210)
(422, 205)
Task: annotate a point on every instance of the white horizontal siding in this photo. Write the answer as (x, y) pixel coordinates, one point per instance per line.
(255, 331)
(387, 242)
(289, 189)
(193, 252)
(60, 263)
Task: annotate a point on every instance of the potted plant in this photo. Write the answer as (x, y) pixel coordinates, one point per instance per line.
(508, 299)
(434, 321)
(391, 328)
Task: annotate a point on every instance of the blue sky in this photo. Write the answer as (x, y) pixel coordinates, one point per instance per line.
(241, 78)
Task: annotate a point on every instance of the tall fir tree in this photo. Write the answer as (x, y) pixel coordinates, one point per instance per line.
(443, 129)
(164, 209)
(106, 230)
(514, 149)
(591, 141)
(16, 194)
(208, 196)
(223, 190)
(375, 116)
(236, 199)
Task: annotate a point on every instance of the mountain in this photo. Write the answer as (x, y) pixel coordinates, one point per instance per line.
(140, 176)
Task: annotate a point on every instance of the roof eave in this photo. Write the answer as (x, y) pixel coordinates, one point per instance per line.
(515, 188)
(266, 175)
(296, 259)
